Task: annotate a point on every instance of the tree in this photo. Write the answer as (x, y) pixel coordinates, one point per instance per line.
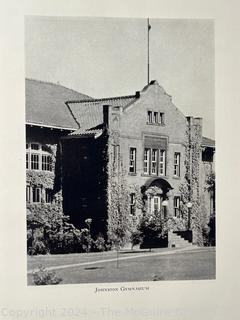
(153, 228)
(120, 222)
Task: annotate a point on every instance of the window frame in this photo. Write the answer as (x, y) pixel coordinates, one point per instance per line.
(132, 160)
(154, 163)
(38, 194)
(48, 163)
(176, 164)
(158, 203)
(162, 162)
(48, 196)
(150, 116)
(176, 206)
(155, 117)
(33, 162)
(161, 118)
(35, 154)
(28, 194)
(154, 158)
(146, 162)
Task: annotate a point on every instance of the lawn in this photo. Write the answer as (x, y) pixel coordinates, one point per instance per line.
(159, 264)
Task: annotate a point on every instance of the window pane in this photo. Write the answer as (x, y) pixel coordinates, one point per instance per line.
(48, 195)
(162, 162)
(156, 203)
(46, 163)
(36, 195)
(155, 117)
(34, 161)
(176, 205)
(146, 161)
(154, 161)
(34, 146)
(45, 148)
(132, 160)
(27, 160)
(28, 190)
(150, 116)
(177, 164)
(161, 118)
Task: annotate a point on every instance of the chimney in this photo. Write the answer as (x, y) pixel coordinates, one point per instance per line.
(137, 94)
(106, 115)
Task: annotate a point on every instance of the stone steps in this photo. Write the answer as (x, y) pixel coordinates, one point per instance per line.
(176, 241)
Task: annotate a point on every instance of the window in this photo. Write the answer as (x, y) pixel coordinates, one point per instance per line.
(132, 203)
(28, 194)
(38, 157)
(34, 146)
(48, 196)
(132, 160)
(162, 163)
(150, 117)
(27, 160)
(177, 164)
(146, 164)
(46, 163)
(34, 161)
(36, 194)
(155, 117)
(176, 206)
(161, 120)
(156, 204)
(154, 162)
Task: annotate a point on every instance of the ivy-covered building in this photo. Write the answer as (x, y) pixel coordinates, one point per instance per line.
(48, 119)
(136, 152)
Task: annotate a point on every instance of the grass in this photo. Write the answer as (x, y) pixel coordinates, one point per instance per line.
(133, 266)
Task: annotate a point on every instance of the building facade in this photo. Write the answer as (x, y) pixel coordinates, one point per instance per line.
(141, 141)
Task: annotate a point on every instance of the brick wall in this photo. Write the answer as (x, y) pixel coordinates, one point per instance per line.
(132, 126)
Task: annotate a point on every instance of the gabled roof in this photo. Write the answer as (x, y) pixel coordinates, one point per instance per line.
(89, 113)
(206, 142)
(45, 104)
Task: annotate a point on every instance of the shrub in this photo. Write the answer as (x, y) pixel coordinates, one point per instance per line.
(45, 277)
(136, 238)
(85, 240)
(99, 244)
(153, 229)
(39, 247)
(48, 231)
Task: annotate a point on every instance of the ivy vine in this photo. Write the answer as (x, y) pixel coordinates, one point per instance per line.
(43, 179)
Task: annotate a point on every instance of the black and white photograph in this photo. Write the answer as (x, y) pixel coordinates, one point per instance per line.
(119, 159)
(120, 150)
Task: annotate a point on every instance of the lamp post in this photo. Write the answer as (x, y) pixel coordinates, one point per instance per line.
(189, 206)
(165, 204)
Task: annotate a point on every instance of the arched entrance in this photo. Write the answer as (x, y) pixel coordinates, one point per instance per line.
(156, 191)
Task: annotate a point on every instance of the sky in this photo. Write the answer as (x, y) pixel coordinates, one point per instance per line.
(106, 57)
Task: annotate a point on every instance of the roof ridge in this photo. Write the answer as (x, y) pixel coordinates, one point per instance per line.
(57, 85)
(101, 99)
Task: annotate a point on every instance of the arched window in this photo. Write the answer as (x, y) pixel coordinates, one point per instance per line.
(38, 157)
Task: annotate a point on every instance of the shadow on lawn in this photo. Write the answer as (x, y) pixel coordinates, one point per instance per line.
(93, 268)
(134, 251)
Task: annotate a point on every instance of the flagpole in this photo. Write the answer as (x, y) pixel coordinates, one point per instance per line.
(148, 68)
(148, 51)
